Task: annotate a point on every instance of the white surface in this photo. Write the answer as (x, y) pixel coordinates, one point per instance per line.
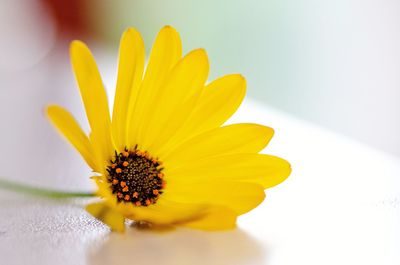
(341, 205)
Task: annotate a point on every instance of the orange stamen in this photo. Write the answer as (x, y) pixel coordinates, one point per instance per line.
(125, 164)
(138, 203)
(123, 184)
(155, 192)
(127, 197)
(118, 170)
(135, 194)
(115, 181)
(148, 202)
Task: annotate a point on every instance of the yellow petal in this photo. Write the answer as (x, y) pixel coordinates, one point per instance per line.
(198, 216)
(130, 71)
(236, 138)
(171, 213)
(94, 98)
(219, 100)
(103, 187)
(164, 212)
(176, 100)
(215, 218)
(71, 130)
(238, 196)
(166, 51)
(266, 170)
(107, 215)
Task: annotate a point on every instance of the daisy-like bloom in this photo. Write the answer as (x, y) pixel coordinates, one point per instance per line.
(164, 157)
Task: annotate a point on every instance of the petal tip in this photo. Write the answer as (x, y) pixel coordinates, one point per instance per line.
(130, 31)
(269, 132)
(51, 109)
(168, 28)
(242, 79)
(76, 44)
(239, 80)
(78, 50)
(199, 54)
(199, 51)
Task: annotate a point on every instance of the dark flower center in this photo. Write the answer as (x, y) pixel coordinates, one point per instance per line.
(135, 177)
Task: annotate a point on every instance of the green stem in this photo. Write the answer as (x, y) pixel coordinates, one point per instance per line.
(21, 188)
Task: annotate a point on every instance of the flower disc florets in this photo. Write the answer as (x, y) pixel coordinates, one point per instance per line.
(135, 177)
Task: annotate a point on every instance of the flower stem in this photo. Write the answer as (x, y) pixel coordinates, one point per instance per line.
(50, 193)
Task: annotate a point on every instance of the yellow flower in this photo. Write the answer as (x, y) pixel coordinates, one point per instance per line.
(164, 158)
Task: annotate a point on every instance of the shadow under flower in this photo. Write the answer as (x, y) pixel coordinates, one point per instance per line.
(181, 246)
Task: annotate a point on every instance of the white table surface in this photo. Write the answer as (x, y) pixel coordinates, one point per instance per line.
(341, 205)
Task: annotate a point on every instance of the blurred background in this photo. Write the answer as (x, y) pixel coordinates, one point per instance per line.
(333, 63)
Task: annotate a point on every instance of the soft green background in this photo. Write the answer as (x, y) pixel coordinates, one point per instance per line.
(336, 63)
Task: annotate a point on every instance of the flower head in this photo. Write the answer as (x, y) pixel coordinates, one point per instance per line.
(164, 156)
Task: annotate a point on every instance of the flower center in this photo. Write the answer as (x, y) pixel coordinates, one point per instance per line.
(135, 177)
